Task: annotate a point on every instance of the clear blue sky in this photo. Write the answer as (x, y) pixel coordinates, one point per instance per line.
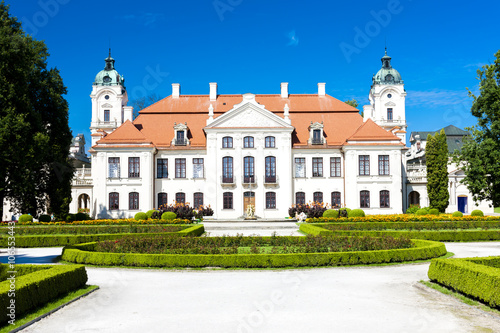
(254, 45)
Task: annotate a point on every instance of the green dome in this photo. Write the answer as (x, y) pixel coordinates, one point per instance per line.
(109, 76)
(387, 74)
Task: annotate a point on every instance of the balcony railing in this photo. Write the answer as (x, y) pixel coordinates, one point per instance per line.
(227, 180)
(317, 141)
(271, 180)
(249, 180)
(180, 142)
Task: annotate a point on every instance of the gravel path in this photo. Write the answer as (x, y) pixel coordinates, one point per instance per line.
(355, 299)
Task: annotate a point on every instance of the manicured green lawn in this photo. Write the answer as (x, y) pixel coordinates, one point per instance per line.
(497, 209)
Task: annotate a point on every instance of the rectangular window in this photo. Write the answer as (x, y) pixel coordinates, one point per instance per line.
(227, 170)
(227, 142)
(114, 167)
(335, 167)
(180, 197)
(270, 169)
(364, 165)
(114, 201)
(106, 115)
(162, 199)
(300, 198)
(389, 114)
(180, 168)
(364, 199)
(198, 168)
(317, 166)
(300, 167)
(270, 200)
(383, 165)
(248, 170)
(335, 199)
(384, 199)
(317, 139)
(248, 142)
(162, 168)
(318, 196)
(228, 200)
(270, 142)
(133, 201)
(133, 167)
(197, 200)
(180, 140)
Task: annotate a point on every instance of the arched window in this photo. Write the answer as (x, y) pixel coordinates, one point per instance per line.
(248, 142)
(162, 199)
(227, 169)
(180, 197)
(133, 201)
(114, 201)
(335, 199)
(270, 200)
(197, 200)
(300, 198)
(270, 169)
(318, 196)
(228, 200)
(364, 199)
(384, 199)
(248, 170)
(270, 142)
(227, 142)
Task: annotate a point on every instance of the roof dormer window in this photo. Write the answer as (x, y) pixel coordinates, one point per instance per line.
(316, 134)
(180, 138)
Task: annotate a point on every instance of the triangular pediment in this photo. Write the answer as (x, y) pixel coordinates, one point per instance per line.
(248, 114)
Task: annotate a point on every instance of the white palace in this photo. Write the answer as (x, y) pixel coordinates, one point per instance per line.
(229, 151)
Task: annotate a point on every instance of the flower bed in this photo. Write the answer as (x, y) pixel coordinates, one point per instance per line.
(402, 218)
(48, 240)
(476, 277)
(464, 231)
(257, 255)
(107, 222)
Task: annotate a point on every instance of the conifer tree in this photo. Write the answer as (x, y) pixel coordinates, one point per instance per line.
(436, 154)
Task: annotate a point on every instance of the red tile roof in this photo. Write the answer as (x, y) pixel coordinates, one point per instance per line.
(155, 124)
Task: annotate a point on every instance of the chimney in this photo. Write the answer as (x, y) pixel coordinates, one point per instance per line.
(284, 89)
(213, 91)
(176, 90)
(321, 89)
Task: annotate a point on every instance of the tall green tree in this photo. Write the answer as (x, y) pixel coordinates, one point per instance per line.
(480, 154)
(436, 155)
(34, 132)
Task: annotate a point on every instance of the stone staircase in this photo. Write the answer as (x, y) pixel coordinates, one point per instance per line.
(246, 228)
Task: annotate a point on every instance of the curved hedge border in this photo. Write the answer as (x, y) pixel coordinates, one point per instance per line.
(64, 240)
(82, 253)
(476, 277)
(46, 283)
(402, 218)
(440, 236)
(106, 222)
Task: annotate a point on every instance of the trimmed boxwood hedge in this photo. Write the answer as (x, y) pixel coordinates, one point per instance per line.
(43, 285)
(82, 253)
(476, 277)
(462, 235)
(63, 240)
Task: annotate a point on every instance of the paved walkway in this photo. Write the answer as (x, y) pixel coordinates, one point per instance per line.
(352, 299)
(254, 228)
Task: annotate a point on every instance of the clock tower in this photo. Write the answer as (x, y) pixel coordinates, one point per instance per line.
(387, 100)
(109, 101)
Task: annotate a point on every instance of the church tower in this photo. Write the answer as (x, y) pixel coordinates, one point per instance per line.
(109, 101)
(387, 100)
